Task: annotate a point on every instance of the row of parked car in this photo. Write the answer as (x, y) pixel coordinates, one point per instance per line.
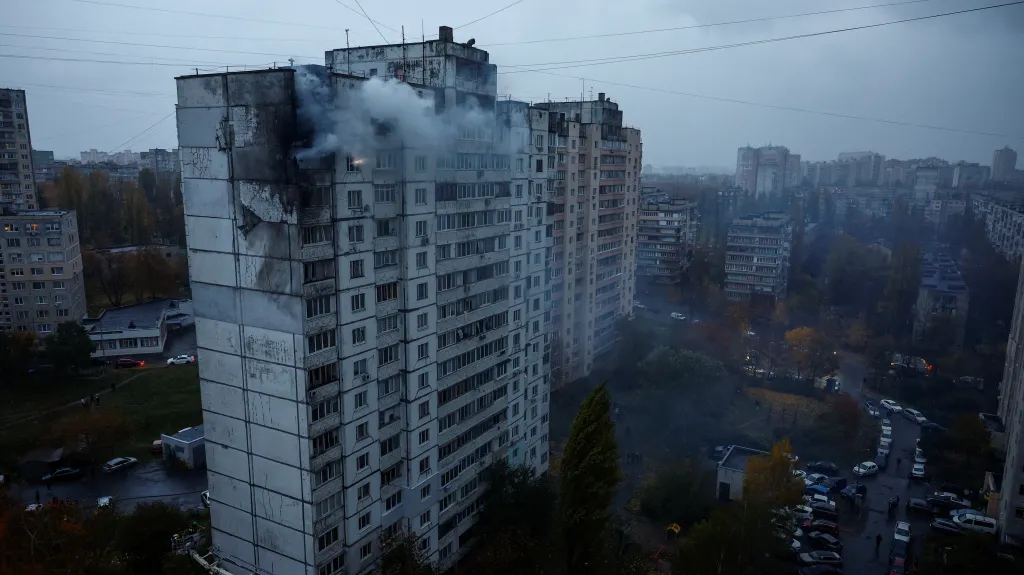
(952, 513)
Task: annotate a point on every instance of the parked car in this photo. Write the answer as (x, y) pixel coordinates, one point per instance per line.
(821, 558)
(866, 468)
(817, 478)
(947, 500)
(883, 450)
(915, 416)
(826, 467)
(157, 447)
(676, 315)
(819, 498)
(902, 531)
(917, 472)
(127, 362)
(961, 511)
(800, 512)
(873, 412)
(919, 506)
(887, 433)
(181, 360)
(976, 522)
(836, 483)
(882, 461)
(62, 473)
(919, 456)
(891, 405)
(825, 541)
(788, 526)
(899, 549)
(205, 496)
(822, 525)
(799, 474)
(897, 566)
(119, 463)
(852, 491)
(823, 511)
(34, 507)
(816, 491)
(105, 502)
(951, 488)
(946, 526)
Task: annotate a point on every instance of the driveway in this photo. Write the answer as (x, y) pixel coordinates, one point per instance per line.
(147, 482)
(859, 529)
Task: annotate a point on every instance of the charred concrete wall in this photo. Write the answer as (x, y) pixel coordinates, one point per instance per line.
(236, 133)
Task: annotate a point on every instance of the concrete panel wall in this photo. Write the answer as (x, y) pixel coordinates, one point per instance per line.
(276, 445)
(212, 268)
(215, 302)
(223, 399)
(207, 198)
(278, 477)
(210, 234)
(224, 430)
(220, 367)
(280, 539)
(230, 491)
(279, 508)
(218, 335)
(225, 460)
(273, 379)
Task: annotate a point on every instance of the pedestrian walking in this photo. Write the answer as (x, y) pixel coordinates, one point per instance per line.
(878, 543)
(37, 496)
(113, 386)
(898, 462)
(84, 402)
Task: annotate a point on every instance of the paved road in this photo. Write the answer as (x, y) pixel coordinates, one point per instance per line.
(149, 481)
(852, 371)
(858, 532)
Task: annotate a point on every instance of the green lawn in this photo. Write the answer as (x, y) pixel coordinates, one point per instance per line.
(47, 391)
(159, 400)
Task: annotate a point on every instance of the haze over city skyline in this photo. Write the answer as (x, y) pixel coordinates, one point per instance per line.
(83, 93)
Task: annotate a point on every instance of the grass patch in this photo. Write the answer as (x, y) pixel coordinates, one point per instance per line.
(48, 391)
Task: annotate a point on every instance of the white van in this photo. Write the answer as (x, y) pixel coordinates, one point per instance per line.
(976, 522)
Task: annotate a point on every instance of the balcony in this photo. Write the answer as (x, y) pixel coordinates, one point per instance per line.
(316, 252)
(322, 459)
(385, 243)
(320, 323)
(322, 357)
(318, 394)
(390, 428)
(316, 214)
(330, 422)
(317, 288)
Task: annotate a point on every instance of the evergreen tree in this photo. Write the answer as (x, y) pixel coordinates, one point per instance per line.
(590, 477)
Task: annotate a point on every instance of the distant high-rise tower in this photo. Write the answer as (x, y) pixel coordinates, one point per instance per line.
(1004, 164)
(17, 179)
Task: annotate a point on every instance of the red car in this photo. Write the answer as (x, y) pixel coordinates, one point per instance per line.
(821, 525)
(898, 566)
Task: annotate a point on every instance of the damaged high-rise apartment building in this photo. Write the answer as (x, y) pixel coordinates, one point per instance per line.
(385, 281)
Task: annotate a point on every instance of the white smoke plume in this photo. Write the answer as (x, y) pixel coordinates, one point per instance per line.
(377, 114)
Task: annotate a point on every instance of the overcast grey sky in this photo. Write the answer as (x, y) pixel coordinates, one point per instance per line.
(963, 72)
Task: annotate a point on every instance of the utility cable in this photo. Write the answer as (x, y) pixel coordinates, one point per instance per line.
(205, 15)
(371, 21)
(142, 45)
(498, 11)
(178, 60)
(165, 35)
(636, 57)
(696, 26)
(363, 13)
(124, 62)
(137, 136)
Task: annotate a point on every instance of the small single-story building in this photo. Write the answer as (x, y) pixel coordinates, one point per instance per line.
(139, 329)
(187, 445)
(731, 470)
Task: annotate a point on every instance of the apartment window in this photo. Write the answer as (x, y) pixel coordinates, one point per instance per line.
(45, 328)
(425, 519)
(42, 299)
(387, 355)
(14, 242)
(420, 163)
(364, 520)
(358, 335)
(362, 431)
(323, 409)
(42, 313)
(355, 233)
(393, 501)
(424, 409)
(321, 341)
(316, 234)
(386, 228)
(424, 380)
(422, 292)
(389, 386)
(424, 492)
(329, 505)
(36, 271)
(367, 550)
(325, 441)
(390, 444)
(424, 436)
(326, 473)
(360, 400)
(387, 323)
(421, 196)
(421, 320)
(63, 313)
(421, 228)
(358, 302)
(359, 367)
(385, 259)
(387, 292)
(385, 160)
(316, 196)
(363, 492)
(327, 539)
(363, 461)
(355, 199)
(384, 193)
(540, 166)
(39, 285)
(322, 375)
(318, 306)
(17, 272)
(355, 269)
(421, 260)
(318, 270)
(423, 351)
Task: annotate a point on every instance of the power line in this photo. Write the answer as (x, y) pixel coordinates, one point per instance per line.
(127, 63)
(784, 108)
(696, 26)
(137, 136)
(165, 35)
(636, 57)
(363, 13)
(179, 60)
(498, 11)
(143, 45)
(369, 18)
(205, 15)
(102, 91)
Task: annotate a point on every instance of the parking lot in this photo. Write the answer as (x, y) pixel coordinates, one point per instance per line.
(147, 482)
(859, 527)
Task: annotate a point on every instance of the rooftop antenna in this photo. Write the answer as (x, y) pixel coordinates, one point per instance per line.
(291, 62)
(348, 56)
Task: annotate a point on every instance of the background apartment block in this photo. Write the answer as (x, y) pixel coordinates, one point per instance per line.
(17, 179)
(766, 170)
(594, 188)
(371, 330)
(41, 282)
(1004, 165)
(667, 233)
(757, 256)
(942, 295)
